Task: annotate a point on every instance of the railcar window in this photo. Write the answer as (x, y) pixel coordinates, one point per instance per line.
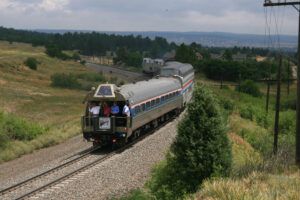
(152, 102)
(143, 107)
(157, 101)
(167, 97)
(148, 105)
(162, 98)
(177, 93)
(137, 109)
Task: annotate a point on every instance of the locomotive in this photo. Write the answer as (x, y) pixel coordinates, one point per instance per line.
(150, 102)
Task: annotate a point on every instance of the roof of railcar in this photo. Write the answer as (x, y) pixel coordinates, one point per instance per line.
(182, 67)
(143, 90)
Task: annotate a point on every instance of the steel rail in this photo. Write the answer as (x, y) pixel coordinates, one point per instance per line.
(18, 185)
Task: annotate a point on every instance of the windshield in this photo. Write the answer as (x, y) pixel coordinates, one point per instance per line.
(167, 72)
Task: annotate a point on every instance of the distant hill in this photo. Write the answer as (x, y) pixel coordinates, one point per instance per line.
(211, 39)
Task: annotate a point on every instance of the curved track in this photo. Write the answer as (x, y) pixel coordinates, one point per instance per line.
(73, 173)
(46, 173)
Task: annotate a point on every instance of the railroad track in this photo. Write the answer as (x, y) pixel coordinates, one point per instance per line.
(68, 176)
(46, 173)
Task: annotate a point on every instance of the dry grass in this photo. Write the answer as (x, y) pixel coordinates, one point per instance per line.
(27, 93)
(256, 186)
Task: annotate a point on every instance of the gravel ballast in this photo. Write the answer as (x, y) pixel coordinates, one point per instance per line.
(27, 166)
(121, 173)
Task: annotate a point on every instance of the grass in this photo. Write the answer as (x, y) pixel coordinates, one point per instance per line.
(27, 93)
(257, 173)
(258, 186)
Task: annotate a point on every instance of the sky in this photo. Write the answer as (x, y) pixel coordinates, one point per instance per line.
(236, 16)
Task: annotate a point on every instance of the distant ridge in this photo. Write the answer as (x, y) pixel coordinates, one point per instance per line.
(211, 39)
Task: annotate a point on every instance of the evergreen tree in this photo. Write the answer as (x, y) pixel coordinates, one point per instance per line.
(201, 150)
(185, 54)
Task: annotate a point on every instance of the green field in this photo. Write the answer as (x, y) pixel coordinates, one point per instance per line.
(27, 93)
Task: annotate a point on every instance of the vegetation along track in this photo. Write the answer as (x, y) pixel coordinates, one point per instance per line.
(69, 175)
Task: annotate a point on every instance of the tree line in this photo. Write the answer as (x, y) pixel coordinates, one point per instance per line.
(91, 44)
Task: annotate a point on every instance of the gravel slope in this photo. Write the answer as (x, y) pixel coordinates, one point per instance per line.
(119, 174)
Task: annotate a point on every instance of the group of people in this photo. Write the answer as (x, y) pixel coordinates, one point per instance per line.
(104, 109)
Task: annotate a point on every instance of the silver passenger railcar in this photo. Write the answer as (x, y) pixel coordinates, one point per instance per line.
(150, 103)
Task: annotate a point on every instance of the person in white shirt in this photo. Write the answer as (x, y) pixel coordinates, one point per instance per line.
(126, 110)
(95, 110)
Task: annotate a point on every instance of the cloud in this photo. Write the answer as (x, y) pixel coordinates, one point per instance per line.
(246, 16)
(53, 5)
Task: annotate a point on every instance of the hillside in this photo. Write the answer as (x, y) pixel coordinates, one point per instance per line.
(27, 93)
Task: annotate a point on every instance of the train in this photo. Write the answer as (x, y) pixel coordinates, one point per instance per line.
(150, 102)
(152, 66)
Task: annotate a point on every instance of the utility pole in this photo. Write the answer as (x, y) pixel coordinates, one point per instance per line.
(288, 73)
(276, 130)
(268, 92)
(294, 3)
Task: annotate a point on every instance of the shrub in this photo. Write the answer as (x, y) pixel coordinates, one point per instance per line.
(65, 81)
(82, 62)
(287, 122)
(76, 56)
(14, 128)
(289, 102)
(249, 87)
(201, 150)
(31, 63)
(53, 50)
(246, 112)
(121, 82)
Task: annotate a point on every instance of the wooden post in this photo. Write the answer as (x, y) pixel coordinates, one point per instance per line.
(221, 82)
(276, 130)
(240, 77)
(288, 81)
(268, 92)
(298, 103)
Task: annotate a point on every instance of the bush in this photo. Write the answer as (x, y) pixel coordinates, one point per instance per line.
(76, 56)
(246, 112)
(121, 82)
(31, 63)
(201, 150)
(249, 87)
(287, 122)
(14, 128)
(53, 50)
(65, 81)
(92, 77)
(82, 62)
(289, 102)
